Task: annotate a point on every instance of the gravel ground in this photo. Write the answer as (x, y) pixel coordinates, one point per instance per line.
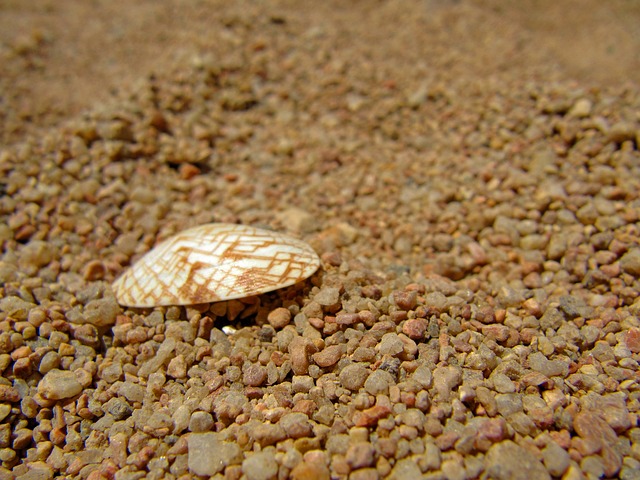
(469, 174)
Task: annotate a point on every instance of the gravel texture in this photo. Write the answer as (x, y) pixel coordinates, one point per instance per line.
(473, 194)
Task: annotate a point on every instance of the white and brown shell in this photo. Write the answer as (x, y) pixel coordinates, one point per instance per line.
(215, 262)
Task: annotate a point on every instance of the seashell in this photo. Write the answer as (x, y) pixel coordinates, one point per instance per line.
(215, 262)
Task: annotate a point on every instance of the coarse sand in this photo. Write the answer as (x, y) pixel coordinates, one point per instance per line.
(468, 172)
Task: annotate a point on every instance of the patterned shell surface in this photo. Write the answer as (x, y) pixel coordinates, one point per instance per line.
(215, 262)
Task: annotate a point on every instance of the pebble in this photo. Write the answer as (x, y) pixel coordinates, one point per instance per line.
(327, 296)
(405, 469)
(415, 329)
(556, 459)
(354, 376)
(268, 434)
(208, 454)
(329, 356)
(260, 466)
(378, 382)
(548, 368)
(101, 312)
(296, 425)
(254, 375)
(59, 384)
(391, 344)
(630, 262)
(200, 422)
(301, 349)
(16, 307)
(509, 461)
(279, 318)
(310, 471)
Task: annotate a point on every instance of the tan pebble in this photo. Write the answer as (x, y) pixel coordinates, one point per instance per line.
(84, 377)
(371, 416)
(301, 349)
(57, 436)
(329, 356)
(94, 270)
(406, 300)
(177, 367)
(632, 339)
(499, 333)
(279, 318)
(368, 318)
(21, 352)
(343, 318)
(316, 323)
(8, 394)
(254, 375)
(305, 406)
(59, 384)
(532, 307)
(415, 328)
(310, 471)
(66, 349)
(188, 171)
(332, 258)
(22, 368)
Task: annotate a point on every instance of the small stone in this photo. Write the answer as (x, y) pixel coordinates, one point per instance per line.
(296, 425)
(621, 132)
(592, 427)
(509, 461)
(16, 307)
(632, 339)
(302, 383)
(177, 367)
(415, 328)
(406, 300)
(164, 353)
(552, 318)
(405, 469)
(354, 376)
(254, 375)
(260, 466)
(446, 379)
(379, 382)
(5, 410)
(94, 270)
(549, 368)
(371, 416)
(581, 108)
(59, 384)
(209, 455)
(310, 471)
(327, 297)
(329, 356)
(556, 459)
(111, 372)
(344, 318)
(423, 376)
(360, 455)
(630, 262)
(300, 349)
(391, 344)
(200, 422)
(101, 312)
(279, 318)
(499, 333)
(268, 434)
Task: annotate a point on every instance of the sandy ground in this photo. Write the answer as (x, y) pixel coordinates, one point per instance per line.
(61, 58)
(467, 171)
